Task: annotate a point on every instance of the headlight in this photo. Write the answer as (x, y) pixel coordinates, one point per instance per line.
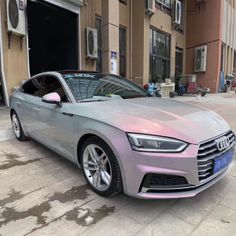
(149, 143)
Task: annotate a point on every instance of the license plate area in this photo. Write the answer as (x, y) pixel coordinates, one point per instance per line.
(222, 161)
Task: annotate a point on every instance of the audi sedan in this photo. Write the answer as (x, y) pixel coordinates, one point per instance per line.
(123, 138)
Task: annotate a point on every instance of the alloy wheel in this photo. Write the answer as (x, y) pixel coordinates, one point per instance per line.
(16, 125)
(97, 167)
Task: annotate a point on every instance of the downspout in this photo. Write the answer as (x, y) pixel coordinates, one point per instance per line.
(27, 41)
(6, 98)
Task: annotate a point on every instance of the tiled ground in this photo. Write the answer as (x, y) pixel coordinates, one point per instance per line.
(43, 194)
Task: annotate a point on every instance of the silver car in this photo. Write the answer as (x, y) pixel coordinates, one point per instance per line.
(123, 138)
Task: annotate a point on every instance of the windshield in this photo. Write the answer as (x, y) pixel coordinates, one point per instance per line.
(88, 87)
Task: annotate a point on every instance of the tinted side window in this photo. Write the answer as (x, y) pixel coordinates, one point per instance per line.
(32, 87)
(51, 85)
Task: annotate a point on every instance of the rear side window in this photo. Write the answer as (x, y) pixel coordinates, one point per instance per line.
(32, 86)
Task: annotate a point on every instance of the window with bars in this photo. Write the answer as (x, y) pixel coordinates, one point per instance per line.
(159, 56)
(99, 34)
(122, 52)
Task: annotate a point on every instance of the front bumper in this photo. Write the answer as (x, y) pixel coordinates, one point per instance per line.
(184, 192)
(136, 165)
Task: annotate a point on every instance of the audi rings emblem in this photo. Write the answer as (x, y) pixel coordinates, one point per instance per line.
(222, 143)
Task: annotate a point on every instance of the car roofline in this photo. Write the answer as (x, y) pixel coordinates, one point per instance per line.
(77, 71)
(45, 73)
(64, 72)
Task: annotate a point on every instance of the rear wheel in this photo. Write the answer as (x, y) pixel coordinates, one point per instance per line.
(100, 167)
(16, 126)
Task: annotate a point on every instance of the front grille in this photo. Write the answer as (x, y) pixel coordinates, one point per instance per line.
(207, 152)
(161, 181)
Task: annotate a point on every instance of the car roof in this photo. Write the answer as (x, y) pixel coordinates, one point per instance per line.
(63, 72)
(99, 74)
(67, 72)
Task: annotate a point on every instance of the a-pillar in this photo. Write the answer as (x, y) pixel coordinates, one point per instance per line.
(110, 36)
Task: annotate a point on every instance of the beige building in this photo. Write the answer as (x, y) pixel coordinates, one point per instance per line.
(143, 40)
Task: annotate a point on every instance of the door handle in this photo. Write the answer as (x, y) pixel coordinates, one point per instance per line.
(18, 103)
(36, 109)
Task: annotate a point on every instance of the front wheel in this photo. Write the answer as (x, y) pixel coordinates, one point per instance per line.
(100, 167)
(16, 126)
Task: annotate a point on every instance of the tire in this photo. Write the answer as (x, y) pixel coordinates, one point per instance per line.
(16, 126)
(100, 167)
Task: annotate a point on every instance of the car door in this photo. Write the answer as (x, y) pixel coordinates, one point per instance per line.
(26, 106)
(55, 127)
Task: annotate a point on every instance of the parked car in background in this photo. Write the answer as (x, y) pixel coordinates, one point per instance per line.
(123, 138)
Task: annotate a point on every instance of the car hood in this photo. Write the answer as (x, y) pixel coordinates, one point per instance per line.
(157, 116)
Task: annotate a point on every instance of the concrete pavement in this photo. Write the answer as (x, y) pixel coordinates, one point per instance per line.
(5, 125)
(43, 194)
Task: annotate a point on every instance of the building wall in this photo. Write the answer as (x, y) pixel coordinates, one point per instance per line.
(14, 57)
(204, 28)
(141, 30)
(124, 21)
(229, 35)
(98, 7)
(163, 22)
(87, 19)
(210, 24)
(131, 16)
(137, 42)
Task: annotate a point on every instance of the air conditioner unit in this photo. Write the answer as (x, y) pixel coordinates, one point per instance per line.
(177, 12)
(150, 7)
(92, 43)
(200, 59)
(16, 16)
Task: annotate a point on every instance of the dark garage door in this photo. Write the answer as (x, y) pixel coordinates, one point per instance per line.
(53, 37)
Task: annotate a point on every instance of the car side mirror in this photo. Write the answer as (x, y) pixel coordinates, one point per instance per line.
(52, 98)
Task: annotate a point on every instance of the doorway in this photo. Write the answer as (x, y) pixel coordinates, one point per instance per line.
(52, 36)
